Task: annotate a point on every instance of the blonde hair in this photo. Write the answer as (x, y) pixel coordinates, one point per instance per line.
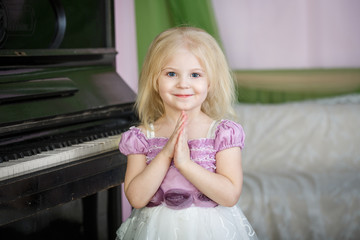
(221, 95)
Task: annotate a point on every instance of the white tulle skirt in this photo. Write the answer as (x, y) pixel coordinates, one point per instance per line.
(193, 223)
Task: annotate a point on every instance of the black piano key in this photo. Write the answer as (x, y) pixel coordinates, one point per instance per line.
(3, 158)
(27, 153)
(35, 151)
(47, 146)
(6, 158)
(58, 145)
(66, 139)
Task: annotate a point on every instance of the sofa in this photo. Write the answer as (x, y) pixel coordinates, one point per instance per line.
(301, 164)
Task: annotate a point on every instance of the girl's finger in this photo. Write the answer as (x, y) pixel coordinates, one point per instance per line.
(180, 124)
(178, 128)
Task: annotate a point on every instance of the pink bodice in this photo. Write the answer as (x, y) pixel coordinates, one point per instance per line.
(176, 191)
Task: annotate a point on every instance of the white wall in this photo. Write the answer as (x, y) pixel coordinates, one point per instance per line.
(271, 34)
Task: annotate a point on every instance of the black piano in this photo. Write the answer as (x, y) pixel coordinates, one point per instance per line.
(62, 110)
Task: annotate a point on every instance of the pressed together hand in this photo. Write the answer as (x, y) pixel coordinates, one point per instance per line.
(177, 148)
(182, 152)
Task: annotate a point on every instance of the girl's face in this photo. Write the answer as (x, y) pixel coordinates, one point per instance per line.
(183, 84)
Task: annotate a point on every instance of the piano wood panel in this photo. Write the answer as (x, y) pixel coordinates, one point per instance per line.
(26, 195)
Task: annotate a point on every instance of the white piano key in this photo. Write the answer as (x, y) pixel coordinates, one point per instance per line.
(11, 167)
(58, 156)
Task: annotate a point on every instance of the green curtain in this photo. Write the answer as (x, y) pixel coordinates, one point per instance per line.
(155, 16)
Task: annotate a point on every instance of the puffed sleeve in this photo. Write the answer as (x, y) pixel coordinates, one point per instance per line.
(133, 141)
(229, 134)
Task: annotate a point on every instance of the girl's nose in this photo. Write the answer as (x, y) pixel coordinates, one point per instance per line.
(184, 82)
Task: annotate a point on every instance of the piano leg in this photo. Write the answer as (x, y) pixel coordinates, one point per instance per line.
(114, 211)
(90, 214)
(90, 222)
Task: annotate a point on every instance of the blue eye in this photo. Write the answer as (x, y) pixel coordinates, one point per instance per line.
(195, 75)
(171, 74)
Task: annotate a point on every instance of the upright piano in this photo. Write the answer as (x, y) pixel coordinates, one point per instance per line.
(62, 110)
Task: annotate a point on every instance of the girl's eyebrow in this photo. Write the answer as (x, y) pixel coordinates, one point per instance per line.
(197, 69)
(191, 70)
(168, 68)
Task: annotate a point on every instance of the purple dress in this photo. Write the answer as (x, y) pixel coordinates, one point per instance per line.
(177, 196)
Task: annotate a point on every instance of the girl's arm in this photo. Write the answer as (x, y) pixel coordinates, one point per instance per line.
(224, 186)
(142, 180)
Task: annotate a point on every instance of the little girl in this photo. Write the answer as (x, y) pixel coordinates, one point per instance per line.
(184, 174)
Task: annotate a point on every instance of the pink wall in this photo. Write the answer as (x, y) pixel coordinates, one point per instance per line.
(126, 60)
(266, 34)
(290, 34)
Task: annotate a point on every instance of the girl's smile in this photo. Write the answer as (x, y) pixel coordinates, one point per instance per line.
(183, 95)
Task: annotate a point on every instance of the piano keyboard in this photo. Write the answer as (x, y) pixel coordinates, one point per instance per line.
(58, 156)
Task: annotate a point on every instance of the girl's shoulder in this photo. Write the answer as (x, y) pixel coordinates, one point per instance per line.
(225, 125)
(133, 141)
(228, 134)
(134, 132)
(139, 131)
